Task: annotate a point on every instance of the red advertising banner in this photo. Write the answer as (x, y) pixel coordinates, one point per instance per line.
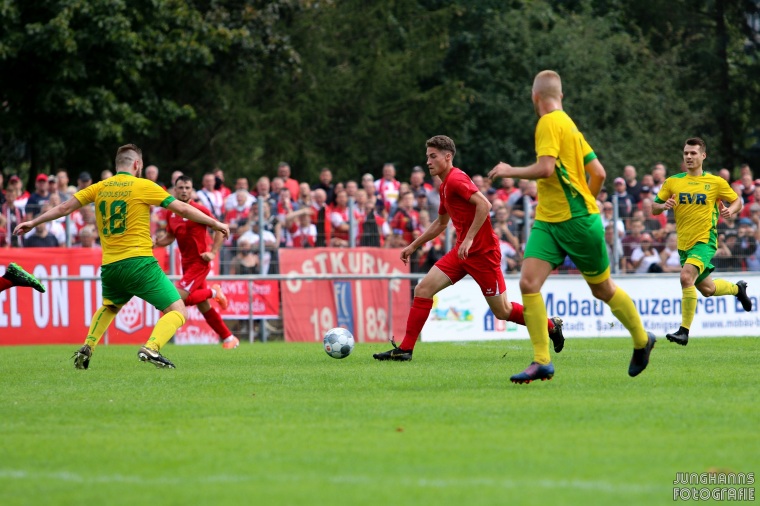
(266, 304)
(311, 308)
(63, 313)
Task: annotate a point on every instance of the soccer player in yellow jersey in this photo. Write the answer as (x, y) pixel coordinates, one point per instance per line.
(696, 198)
(122, 210)
(567, 224)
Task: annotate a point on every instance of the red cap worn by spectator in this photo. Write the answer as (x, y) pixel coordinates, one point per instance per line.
(41, 177)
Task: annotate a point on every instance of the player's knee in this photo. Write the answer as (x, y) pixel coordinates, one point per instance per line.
(422, 290)
(706, 291)
(528, 285)
(603, 291)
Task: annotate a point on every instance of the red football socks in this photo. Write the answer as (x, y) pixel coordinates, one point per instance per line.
(198, 296)
(5, 284)
(215, 321)
(418, 315)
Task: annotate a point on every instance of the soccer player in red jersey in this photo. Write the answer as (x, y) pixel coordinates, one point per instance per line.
(193, 241)
(477, 252)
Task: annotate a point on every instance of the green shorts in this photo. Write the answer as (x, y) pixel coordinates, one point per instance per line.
(581, 238)
(138, 276)
(700, 255)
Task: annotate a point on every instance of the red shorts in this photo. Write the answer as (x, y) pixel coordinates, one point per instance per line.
(194, 277)
(484, 267)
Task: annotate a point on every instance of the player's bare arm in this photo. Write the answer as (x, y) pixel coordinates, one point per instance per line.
(543, 168)
(63, 209)
(434, 230)
(658, 208)
(733, 208)
(191, 213)
(215, 247)
(482, 209)
(596, 176)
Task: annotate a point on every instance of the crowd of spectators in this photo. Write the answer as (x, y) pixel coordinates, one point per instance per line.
(387, 212)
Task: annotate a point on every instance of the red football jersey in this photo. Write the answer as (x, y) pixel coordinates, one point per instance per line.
(455, 192)
(192, 238)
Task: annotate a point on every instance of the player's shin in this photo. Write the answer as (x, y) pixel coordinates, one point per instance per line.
(166, 327)
(688, 306)
(535, 320)
(99, 324)
(625, 311)
(214, 320)
(418, 315)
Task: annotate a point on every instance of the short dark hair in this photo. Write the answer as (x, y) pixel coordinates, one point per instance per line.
(696, 141)
(443, 143)
(184, 179)
(123, 157)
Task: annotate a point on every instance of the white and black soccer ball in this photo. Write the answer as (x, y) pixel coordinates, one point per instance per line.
(338, 343)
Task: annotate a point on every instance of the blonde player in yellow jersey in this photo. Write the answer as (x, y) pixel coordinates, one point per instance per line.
(567, 224)
(122, 210)
(696, 199)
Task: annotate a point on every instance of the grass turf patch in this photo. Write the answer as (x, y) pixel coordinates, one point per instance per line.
(283, 423)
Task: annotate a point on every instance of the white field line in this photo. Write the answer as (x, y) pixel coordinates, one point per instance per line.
(590, 485)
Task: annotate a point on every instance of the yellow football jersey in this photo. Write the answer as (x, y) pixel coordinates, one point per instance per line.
(564, 194)
(696, 210)
(122, 212)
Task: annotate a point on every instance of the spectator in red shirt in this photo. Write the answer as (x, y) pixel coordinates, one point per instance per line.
(405, 222)
(388, 187)
(339, 219)
(283, 172)
(302, 233)
(238, 214)
(507, 189)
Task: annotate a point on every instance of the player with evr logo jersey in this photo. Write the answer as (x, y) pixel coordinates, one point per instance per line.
(696, 198)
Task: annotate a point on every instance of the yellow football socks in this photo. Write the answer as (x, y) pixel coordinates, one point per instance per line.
(164, 330)
(99, 324)
(689, 305)
(535, 319)
(624, 310)
(723, 287)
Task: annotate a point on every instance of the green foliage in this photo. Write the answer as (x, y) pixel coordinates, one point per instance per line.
(623, 97)
(88, 75)
(368, 90)
(243, 84)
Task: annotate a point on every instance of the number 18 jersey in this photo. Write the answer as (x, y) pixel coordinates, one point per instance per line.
(122, 213)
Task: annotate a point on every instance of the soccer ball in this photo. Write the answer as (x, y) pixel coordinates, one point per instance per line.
(338, 343)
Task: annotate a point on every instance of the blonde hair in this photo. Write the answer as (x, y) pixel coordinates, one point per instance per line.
(548, 84)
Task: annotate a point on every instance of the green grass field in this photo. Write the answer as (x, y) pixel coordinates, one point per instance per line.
(282, 423)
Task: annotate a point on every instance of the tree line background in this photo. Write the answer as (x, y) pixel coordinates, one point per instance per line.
(351, 84)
